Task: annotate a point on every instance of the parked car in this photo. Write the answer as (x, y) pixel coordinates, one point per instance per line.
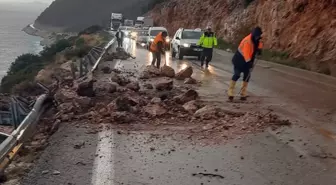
(153, 32)
(184, 43)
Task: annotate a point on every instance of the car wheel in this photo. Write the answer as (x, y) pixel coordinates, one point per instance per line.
(180, 54)
(173, 53)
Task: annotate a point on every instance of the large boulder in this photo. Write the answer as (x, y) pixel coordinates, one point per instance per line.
(133, 86)
(184, 73)
(119, 79)
(187, 96)
(106, 70)
(155, 110)
(164, 84)
(65, 97)
(85, 88)
(105, 87)
(167, 71)
(191, 106)
(190, 81)
(123, 117)
(123, 104)
(207, 112)
(150, 72)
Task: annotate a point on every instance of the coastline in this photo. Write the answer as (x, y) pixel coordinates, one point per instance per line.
(48, 37)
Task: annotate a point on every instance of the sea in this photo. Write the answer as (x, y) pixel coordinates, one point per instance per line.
(13, 41)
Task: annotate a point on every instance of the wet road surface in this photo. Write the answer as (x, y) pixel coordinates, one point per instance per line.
(303, 154)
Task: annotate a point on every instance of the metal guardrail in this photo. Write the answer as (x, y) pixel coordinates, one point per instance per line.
(20, 110)
(14, 141)
(90, 62)
(102, 54)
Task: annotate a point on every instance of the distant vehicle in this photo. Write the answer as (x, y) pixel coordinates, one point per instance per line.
(127, 30)
(139, 22)
(153, 32)
(142, 37)
(148, 22)
(128, 22)
(116, 21)
(184, 43)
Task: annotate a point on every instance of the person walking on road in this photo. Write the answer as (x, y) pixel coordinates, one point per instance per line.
(243, 61)
(120, 38)
(158, 47)
(207, 41)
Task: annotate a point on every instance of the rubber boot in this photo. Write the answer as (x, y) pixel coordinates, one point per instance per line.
(243, 94)
(231, 90)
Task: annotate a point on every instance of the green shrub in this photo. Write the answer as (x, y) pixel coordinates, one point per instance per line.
(80, 42)
(24, 68)
(49, 52)
(77, 52)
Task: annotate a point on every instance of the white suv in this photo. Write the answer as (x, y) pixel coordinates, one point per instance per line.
(184, 43)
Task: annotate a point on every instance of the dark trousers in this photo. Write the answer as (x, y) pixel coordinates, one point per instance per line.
(206, 55)
(238, 69)
(156, 59)
(120, 43)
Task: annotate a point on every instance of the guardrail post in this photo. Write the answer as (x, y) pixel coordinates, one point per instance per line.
(80, 67)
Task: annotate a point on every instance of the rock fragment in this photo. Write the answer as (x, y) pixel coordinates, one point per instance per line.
(190, 81)
(184, 73)
(167, 71)
(164, 84)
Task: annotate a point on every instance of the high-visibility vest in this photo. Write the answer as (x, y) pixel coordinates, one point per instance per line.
(207, 40)
(157, 39)
(246, 48)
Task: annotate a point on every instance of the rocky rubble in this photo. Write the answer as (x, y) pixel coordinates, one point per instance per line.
(131, 103)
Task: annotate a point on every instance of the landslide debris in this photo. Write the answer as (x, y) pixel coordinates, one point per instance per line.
(155, 102)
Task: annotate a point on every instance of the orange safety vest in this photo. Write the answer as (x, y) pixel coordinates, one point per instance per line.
(157, 39)
(246, 48)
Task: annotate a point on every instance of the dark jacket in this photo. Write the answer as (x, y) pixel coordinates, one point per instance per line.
(238, 59)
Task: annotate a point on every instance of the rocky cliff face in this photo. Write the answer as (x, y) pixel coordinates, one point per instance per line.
(306, 29)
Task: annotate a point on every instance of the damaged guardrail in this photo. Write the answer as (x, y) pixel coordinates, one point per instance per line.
(24, 130)
(102, 54)
(10, 146)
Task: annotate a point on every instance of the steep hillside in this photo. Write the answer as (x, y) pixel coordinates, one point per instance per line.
(75, 15)
(305, 29)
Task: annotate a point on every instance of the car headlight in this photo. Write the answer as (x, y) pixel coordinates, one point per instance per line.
(167, 39)
(186, 45)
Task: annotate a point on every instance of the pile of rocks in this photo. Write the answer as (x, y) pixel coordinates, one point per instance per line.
(154, 99)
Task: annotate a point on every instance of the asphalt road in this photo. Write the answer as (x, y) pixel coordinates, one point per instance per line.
(303, 154)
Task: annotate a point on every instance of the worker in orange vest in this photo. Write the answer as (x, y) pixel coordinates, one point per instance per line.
(243, 61)
(158, 47)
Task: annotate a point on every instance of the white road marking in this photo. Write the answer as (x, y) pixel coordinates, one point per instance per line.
(103, 171)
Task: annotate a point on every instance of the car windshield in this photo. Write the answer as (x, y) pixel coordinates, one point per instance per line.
(155, 32)
(191, 34)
